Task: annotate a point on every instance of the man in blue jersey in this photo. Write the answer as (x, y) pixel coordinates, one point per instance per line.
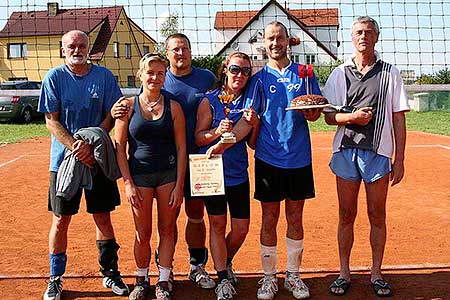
(187, 85)
(283, 169)
(74, 96)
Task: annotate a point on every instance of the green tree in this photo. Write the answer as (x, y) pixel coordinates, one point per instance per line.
(168, 27)
(440, 77)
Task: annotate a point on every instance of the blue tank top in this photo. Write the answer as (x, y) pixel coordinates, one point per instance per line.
(235, 159)
(151, 143)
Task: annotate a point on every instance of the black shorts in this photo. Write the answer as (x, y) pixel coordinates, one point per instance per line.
(238, 199)
(273, 184)
(103, 197)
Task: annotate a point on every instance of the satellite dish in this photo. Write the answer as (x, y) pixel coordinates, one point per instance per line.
(235, 46)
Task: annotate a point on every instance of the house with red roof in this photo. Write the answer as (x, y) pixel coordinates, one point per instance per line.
(30, 42)
(313, 33)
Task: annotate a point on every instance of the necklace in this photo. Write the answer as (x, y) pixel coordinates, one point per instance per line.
(150, 106)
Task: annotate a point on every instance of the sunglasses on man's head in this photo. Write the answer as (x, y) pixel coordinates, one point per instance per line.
(235, 69)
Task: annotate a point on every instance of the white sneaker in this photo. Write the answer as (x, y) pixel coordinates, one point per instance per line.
(201, 277)
(268, 288)
(293, 283)
(225, 290)
(54, 288)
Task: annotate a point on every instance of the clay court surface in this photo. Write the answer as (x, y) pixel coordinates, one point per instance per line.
(417, 258)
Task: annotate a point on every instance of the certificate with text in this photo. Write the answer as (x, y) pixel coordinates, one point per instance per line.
(206, 175)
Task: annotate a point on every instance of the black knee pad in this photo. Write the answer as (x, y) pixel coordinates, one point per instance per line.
(107, 257)
(198, 256)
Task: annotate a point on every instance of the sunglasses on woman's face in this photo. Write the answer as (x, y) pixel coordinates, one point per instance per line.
(235, 70)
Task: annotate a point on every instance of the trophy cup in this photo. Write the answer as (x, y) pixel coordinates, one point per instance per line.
(225, 99)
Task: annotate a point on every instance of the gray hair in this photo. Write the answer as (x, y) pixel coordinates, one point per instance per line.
(366, 19)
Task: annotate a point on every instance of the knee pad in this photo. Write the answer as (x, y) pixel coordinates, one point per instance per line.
(107, 256)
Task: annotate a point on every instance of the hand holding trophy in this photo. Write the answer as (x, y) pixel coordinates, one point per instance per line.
(226, 99)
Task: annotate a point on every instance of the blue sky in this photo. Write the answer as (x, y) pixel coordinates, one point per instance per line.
(414, 33)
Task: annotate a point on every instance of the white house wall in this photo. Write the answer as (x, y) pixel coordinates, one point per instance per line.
(307, 45)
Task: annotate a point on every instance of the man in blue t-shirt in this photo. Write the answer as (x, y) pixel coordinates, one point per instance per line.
(283, 167)
(74, 96)
(187, 85)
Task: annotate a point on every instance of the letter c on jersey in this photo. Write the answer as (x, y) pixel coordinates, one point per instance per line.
(272, 89)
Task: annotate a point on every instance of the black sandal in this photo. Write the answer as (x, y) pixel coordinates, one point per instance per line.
(381, 284)
(339, 283)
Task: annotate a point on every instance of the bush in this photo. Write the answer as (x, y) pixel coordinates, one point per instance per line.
(323, 71)
(211, 63)
(440, 77)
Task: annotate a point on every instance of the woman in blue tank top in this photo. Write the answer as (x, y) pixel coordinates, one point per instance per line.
(213, 121)
(154, 130)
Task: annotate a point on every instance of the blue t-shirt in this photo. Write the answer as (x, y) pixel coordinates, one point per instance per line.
(283, 139)
(235, 159)
(188, 90)
(82, 101)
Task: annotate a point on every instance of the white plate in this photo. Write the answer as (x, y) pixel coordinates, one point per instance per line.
(303, 107)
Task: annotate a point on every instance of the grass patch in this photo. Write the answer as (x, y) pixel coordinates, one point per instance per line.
(13, 133)
(437, 122)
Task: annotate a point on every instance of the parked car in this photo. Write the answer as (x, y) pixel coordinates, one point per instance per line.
(16, 104)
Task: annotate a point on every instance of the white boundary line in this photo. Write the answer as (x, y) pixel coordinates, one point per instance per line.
(11, 161)
(412, 267)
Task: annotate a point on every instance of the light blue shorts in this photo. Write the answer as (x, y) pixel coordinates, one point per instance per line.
(354, 164)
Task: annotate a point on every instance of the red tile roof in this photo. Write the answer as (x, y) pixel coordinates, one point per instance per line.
(310, 17)
(39, 23)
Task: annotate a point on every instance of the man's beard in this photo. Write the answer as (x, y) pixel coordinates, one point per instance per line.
(78, 60)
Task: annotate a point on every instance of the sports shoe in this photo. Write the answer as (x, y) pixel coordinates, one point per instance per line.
(162, 291)
(293, 283)
(116, 284)
(171, 281)
(268, 288)
(225, 290)
(201, 277)
(54, 288)
(231, 276)
(140, 291)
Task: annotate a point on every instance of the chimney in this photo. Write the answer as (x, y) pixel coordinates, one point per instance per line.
(52, 8)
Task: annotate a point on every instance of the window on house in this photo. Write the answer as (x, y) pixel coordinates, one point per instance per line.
(310, 58)
(145, 49)
(255, 57)
(61, 54)
(17, 50)
(295, 58)
(131, 82)
(127, 50)
(116, 49)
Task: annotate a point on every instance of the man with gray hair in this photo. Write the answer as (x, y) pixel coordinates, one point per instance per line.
(74, 96)
(364, 144)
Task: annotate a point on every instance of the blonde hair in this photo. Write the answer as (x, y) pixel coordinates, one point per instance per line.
(148, 58)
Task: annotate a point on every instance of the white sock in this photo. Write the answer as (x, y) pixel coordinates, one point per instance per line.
(142, 272)
(294, 254)
(164, 273)
(269, 259)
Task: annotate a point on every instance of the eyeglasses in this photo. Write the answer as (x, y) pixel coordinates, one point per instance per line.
(235, 70)
(179, 50)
